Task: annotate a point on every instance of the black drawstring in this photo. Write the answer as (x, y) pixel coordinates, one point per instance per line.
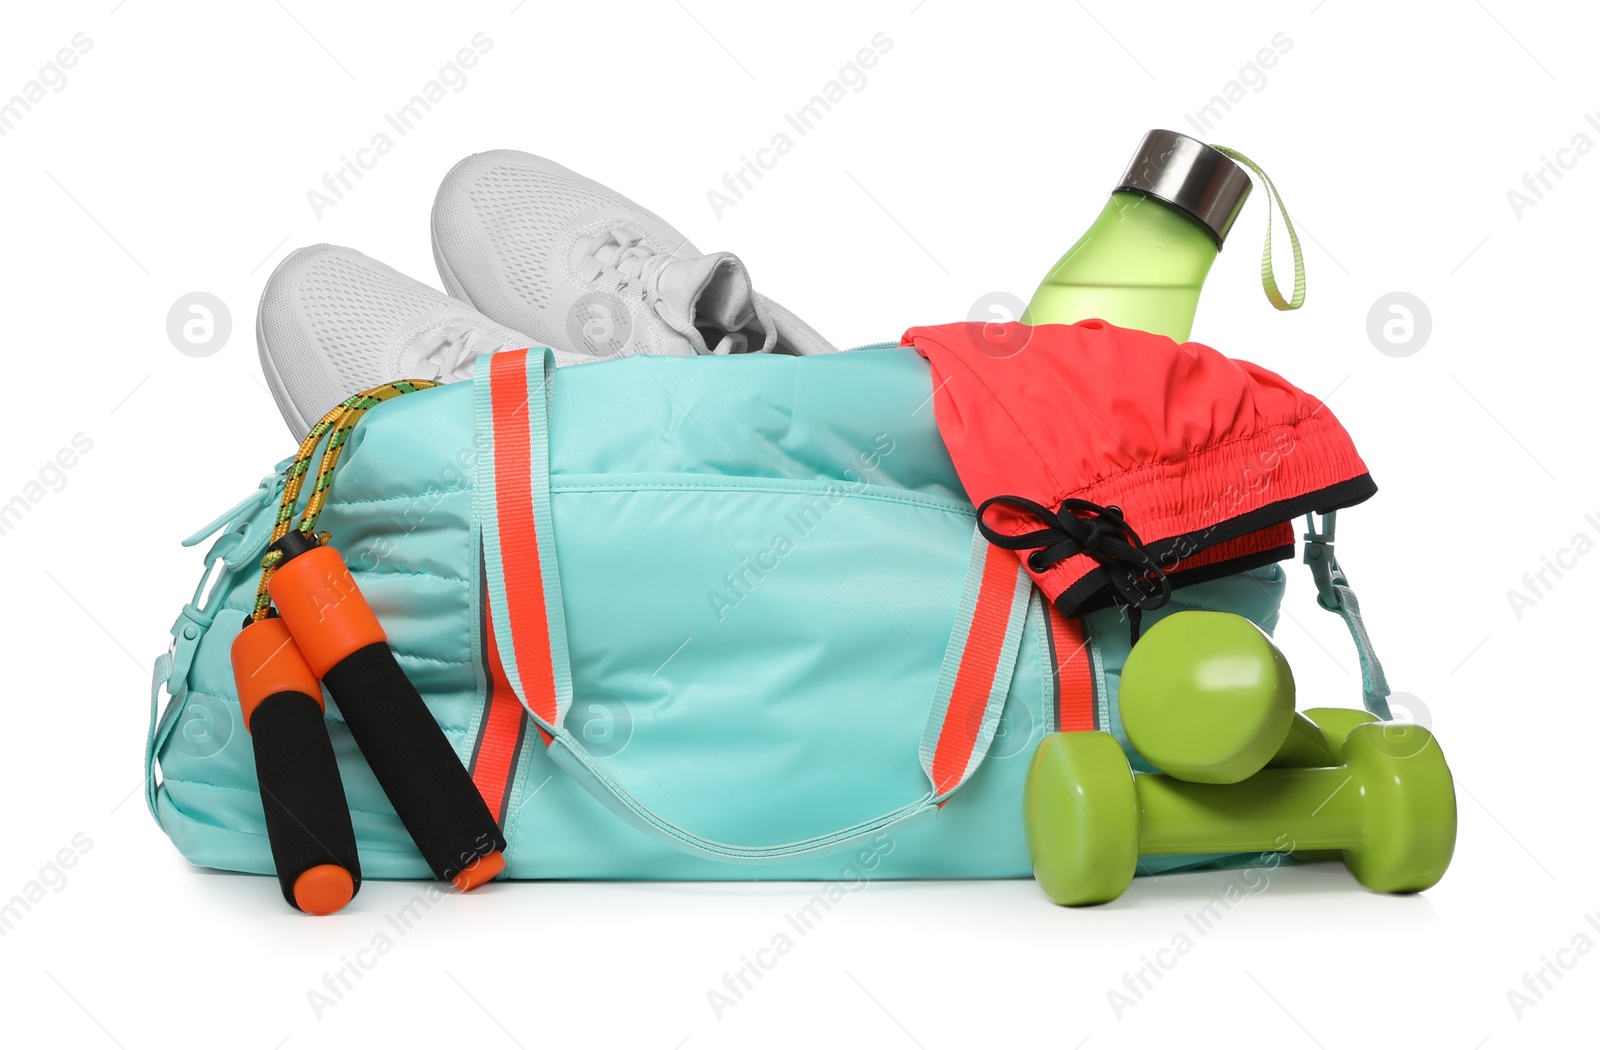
(1081, 527)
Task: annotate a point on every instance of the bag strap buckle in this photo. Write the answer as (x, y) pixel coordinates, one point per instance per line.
(1325, 570)
(1335, 595)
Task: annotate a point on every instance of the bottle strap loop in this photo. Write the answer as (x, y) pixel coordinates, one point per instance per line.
(1269, 282)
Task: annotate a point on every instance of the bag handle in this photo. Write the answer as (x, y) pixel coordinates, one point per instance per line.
(511, 495)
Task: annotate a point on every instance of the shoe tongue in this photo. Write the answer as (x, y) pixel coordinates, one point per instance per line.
(710, 292)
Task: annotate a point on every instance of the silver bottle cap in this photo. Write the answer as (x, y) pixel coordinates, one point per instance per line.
(1190, 176)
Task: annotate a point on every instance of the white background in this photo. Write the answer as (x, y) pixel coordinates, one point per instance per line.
(177, 158)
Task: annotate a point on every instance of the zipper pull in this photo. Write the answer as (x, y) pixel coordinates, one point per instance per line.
(266, 492)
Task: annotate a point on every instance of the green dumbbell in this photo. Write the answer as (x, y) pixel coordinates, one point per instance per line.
(1208, 698)
(1334, 724)
(1088, 816)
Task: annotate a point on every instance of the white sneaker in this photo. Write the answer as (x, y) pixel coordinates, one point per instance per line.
(333, 322)
(581, 268)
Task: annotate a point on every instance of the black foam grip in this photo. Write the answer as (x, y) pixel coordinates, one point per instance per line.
(308, 819)
(430, 790)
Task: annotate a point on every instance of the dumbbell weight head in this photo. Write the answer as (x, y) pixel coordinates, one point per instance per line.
(1206, 697)
(1080, 817)
(1409, 803)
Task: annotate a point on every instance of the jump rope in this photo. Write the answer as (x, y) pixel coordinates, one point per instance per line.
(311, 627)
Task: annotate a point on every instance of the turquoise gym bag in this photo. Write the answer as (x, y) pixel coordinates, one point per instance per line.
(680, 618)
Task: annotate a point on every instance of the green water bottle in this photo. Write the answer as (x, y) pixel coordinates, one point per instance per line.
(1142, 263)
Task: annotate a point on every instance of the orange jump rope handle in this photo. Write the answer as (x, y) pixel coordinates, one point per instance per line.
(414, 762)
(308, 820)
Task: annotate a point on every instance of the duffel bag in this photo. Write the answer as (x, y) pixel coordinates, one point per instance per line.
(680, 618)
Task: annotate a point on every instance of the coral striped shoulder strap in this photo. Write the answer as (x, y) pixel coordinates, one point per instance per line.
(525, 632)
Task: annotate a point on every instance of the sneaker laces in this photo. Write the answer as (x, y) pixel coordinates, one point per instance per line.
(450, 354)
(621, 259)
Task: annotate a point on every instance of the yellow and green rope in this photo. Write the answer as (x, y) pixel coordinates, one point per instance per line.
(336, 426)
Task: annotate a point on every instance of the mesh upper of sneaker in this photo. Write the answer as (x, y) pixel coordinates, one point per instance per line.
(530, 217)
(357, 309)
(333, 321)
(506, 229)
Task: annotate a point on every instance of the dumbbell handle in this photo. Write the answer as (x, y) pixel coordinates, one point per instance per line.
(1305, 746)
(1335, 724)
(1281, 809)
